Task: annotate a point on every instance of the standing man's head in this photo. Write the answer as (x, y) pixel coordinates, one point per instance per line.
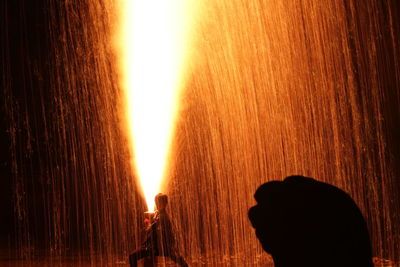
(161, 201)
(303, 222)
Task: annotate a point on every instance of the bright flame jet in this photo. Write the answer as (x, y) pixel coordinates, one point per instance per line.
(154, 37)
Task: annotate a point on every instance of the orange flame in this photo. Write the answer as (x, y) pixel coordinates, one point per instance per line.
(153, 40)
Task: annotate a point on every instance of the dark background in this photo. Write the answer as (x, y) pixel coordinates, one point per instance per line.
(18, 39)
(25, 47)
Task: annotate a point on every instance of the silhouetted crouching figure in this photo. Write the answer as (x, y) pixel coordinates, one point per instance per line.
(303, 222)
(159, 239)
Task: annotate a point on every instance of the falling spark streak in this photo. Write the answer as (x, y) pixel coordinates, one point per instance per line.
(153, 37)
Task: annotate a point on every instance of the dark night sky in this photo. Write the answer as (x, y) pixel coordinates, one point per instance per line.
(24, 41)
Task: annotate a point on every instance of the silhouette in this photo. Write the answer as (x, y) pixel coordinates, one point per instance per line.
(303, 222)
(159, 239)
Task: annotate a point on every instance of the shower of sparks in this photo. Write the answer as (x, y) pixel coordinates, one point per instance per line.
(154, 46)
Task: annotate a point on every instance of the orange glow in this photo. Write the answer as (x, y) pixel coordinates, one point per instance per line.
(153, 43)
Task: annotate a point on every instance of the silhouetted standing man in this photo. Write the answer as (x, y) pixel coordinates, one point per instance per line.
(303, 222)
(159, 239)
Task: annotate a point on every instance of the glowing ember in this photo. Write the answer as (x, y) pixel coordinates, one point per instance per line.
(153, 40)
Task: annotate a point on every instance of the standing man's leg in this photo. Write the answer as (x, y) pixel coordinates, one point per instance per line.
(137, 255)
(178, 259)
